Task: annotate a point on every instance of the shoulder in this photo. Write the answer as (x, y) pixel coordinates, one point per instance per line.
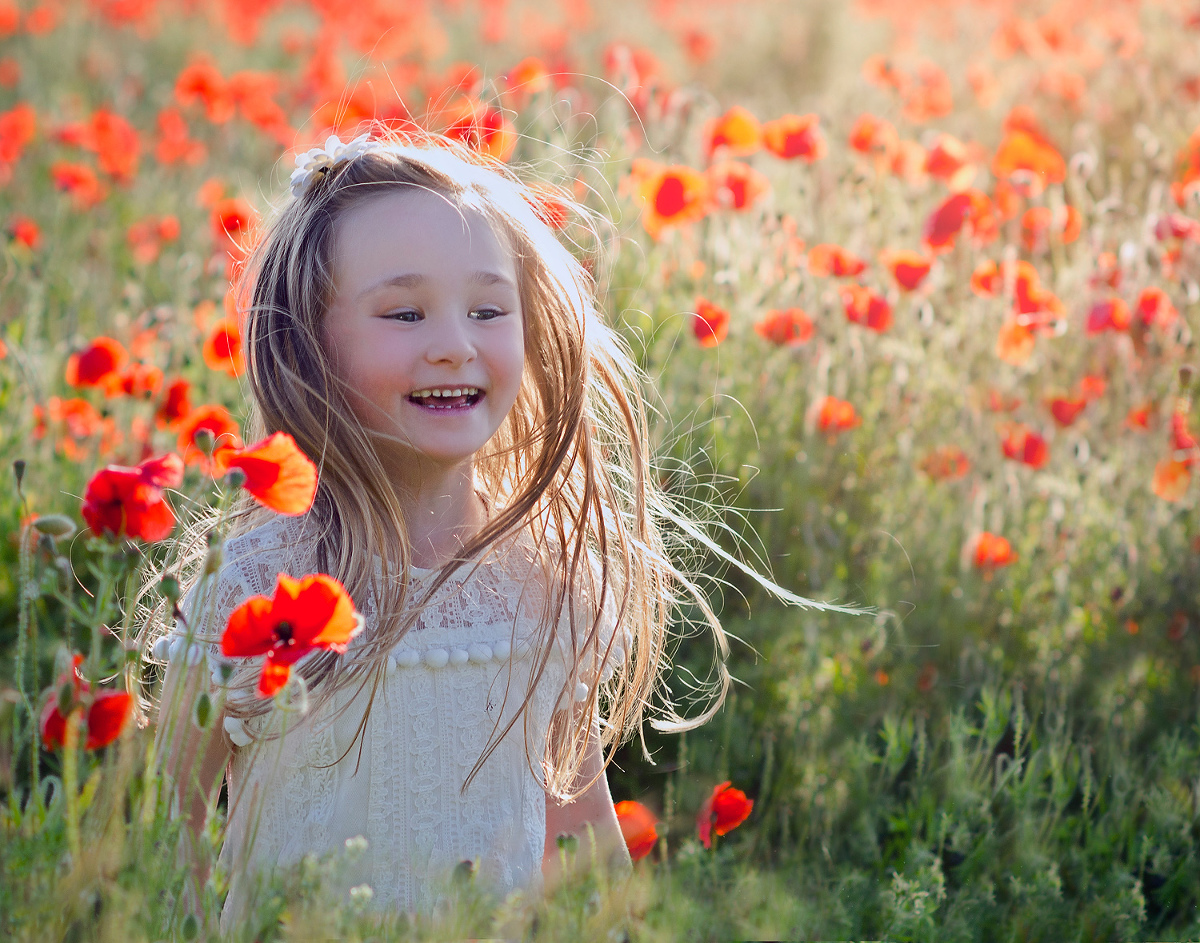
(257, 556)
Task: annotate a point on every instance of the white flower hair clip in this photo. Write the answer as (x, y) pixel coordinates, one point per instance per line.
(319, 160)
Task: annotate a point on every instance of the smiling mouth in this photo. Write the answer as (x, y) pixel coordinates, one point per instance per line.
(456, 397)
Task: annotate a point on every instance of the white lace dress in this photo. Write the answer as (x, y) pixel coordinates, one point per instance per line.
(399, 787)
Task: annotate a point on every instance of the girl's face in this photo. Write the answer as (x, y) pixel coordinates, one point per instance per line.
(425, 326)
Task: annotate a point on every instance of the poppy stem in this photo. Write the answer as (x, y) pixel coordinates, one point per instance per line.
(71, 782)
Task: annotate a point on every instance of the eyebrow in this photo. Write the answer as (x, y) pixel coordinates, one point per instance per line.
(415, 280)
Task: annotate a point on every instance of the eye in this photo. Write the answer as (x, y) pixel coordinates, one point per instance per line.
(407, 315)
(488, 313)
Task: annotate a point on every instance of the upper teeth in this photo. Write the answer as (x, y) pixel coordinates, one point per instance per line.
(456, 391)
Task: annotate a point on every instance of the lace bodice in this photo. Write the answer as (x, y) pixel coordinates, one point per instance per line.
(433, 714)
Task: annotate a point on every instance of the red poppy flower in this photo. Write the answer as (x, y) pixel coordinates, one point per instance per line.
(722, 812)
(482, 128)
(176, 405)
(866, 307)
(93, 365)
(826, 259)
(1014, 343)
(997, 403)
(549, 206)
(80, 181)
(1111, 314)
(971, 209)
(638, 828)
(671, 196)
(174, 144)
(278, 474)
(218, 422)
(233, 221)
(527, 77)
(952, 161)
(223, 348)
(736, 186)
(1022, 444)
(314, 612)
(710, 324)
(1066, 409)
(1092, 387)
(873, 136)
(992, 552)
(138, 379)
(790, 327)
(105, 716)
(17, 127)
(116, 144)
(946, 462)
(1039, 221)
(907, 268)
(795, 136)
(128, 502)
(987, 279)
(1183, 444)
(25, 231)
(201, 81)
(737, 131)
(836, 415)
(1175, 226)
(1154, 307)
(1187, 170)
(929, 96)
(1138, 418)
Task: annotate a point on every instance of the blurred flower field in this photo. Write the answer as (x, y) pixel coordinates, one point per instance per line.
(915, 285)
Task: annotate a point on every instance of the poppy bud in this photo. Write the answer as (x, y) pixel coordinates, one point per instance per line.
(169, 585)
(236, 477)
(55, 525)
(66, 698)
(464, 871)
(202, 711)
(190, 928)
(567, 843)
(1186, 372)
(19, 471)
(46, 545)
(204, 441)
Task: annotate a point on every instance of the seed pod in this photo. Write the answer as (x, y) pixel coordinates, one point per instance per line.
(55, 525)
(170, 587)
(236, 477)
(204, 441)
(19, 471)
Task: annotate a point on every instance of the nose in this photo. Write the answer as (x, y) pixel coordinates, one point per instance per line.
(449, 340)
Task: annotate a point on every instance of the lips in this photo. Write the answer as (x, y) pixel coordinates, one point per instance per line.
(447, 397)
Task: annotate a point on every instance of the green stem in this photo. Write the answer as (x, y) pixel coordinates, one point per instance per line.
(71, 782)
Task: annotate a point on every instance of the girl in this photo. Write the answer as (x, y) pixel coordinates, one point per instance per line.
(486, 498)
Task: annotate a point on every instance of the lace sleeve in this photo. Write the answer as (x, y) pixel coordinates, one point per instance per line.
(205, 608)
(606, 655)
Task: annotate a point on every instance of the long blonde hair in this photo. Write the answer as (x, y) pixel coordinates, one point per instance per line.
(571, 465)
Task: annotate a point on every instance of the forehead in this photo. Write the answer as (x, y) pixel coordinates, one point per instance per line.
(411, 230)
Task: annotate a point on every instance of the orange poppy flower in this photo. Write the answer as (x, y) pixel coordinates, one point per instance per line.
(1171, 479)
(201, 81)
(881, 72)
(1066, 409)
(176, 405)
(789, 327)
(907, 268)
(233, 221)
(138, 379)
(929, 96)
(1022, 444)
(1187, 170)
(795, 136)
(987, 279)
(971, 210)
(80, 181)
(278, 474)
(836, 415)
(128, 502)
(946, 462)
(638, 828)
(1039, 221)
(737, 132)
(722, 812)
(734, 185)
(1111, 314)
(866, 307)
(304, 615)
(527, 77)
(174, 145)
(992, 551)
(1138, 418)
(1154, 307)
(873, 136)
(482, 128)
(1014, 343)
(93, 365)
(710, 324)
(825, 259)
(105, 713)
(672, 196)
(116, 144)
(1092, 387)
(1026, 158)
(908, 161)
(549, 206)
(952, 161)
(223, 347)
(217, 421)
(998, 403)
(79, 416)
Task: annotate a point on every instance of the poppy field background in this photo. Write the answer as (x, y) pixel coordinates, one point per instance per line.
(916, 286)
